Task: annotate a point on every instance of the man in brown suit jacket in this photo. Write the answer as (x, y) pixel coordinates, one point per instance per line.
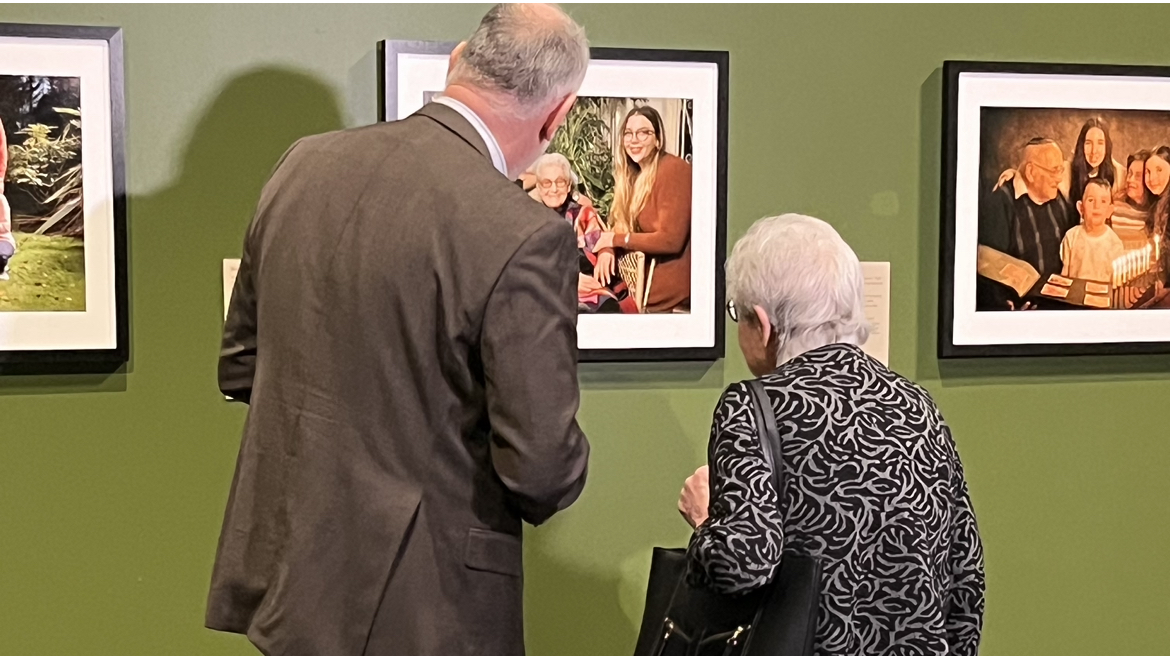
(403, 326)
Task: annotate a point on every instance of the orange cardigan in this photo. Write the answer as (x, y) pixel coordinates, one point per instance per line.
(665, 235)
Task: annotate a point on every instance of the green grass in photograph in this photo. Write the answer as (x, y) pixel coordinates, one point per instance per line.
(47, 274)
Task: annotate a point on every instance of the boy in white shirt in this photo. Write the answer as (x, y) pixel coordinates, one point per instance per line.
(1089, 249)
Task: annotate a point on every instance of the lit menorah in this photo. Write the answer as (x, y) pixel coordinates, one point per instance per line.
(1135, 272)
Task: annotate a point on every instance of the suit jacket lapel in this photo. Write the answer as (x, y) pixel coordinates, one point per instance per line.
(453, 121)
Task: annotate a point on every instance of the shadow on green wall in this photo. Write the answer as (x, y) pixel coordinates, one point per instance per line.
(236, 143)
(573, 611)
(929, 176)
(19, 385)
(586, 570)
(651, 375)
(184, 231)
(180, 234)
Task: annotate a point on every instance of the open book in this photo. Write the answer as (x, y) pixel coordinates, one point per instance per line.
(1003, 268)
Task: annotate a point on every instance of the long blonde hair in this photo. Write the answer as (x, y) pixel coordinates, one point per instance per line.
(632, 183)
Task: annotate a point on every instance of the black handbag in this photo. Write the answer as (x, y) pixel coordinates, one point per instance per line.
(779, 619)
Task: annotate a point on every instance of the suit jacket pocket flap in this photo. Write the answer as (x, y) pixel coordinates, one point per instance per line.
(494, 552)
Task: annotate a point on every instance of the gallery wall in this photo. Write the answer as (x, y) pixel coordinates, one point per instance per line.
(112, 488)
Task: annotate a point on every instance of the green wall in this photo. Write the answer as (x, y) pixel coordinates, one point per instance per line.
(112, 489)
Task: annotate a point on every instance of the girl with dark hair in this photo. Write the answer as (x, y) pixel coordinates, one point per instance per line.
(1093, 158)
(1157, 180)
(651, 209)
(1158, 172)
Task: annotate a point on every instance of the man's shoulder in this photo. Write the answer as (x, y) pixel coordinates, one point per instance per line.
(411, 147)
(1002, 199)
(339, 152)
(367, 137)
(425, 160)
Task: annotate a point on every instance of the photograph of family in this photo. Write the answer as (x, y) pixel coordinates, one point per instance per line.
(1072, 209)
(42, 248)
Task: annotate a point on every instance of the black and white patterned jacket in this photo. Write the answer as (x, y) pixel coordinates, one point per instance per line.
(873, 485)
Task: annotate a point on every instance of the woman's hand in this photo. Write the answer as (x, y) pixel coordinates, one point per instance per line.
(587, 285)
(603, 242)
(695, 497)
(606, 266)
(1003, 178)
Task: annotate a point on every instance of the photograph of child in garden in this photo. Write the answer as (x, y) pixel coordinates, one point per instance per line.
(42, 226)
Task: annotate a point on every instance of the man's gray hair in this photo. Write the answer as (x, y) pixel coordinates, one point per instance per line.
(533, 54)
(554, 159)
(807, 279)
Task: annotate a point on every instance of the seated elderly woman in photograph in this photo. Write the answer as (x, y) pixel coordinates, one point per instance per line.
(873, 483)
(599, 288)
(527, 182)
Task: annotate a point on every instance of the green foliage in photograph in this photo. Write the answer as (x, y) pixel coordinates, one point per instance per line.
(47, 166)
(585, 141)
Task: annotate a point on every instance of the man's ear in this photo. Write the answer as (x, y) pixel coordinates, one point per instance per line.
(456, 54)
(556, 117)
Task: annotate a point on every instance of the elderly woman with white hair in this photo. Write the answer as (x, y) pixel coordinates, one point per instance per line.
(599, 289)
(873, 485)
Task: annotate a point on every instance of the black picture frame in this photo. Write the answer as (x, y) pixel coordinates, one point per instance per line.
(388, 52)
(89, 360)
(951, 82)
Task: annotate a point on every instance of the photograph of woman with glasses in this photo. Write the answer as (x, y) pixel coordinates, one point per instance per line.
(652, 209)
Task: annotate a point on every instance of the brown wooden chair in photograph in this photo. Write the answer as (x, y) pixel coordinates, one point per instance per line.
(649, 282)
(632, 269)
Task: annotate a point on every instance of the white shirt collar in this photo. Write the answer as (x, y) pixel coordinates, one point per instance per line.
(1019, 187)
(476, 122)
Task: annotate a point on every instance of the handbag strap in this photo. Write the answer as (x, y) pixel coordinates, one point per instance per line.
(769, 435)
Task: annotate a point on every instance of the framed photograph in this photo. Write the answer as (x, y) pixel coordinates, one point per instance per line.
(1054, 210)
(644, 120)
(63, 282)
